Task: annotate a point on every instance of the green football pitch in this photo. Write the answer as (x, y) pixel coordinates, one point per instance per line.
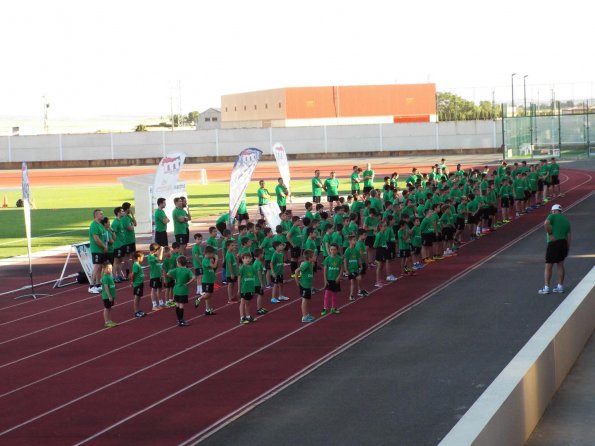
(62, 214)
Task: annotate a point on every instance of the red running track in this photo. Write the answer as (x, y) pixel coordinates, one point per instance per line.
(65, 380)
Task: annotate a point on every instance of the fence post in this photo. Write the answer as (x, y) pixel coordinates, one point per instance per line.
(111, 142)
(271, 139)
(381, 139)
(60, 145)
(325, 140)
(163, 141)
(9, 150)
(217, 143)
(436, 131)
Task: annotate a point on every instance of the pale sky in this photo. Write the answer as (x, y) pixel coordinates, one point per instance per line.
(126, 57)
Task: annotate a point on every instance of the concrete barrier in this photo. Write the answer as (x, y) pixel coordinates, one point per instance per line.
(510, 408)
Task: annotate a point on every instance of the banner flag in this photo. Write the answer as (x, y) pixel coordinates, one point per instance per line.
(166, 178)
(283, 165)
(26, 207)
(271, 213)
(241, 175)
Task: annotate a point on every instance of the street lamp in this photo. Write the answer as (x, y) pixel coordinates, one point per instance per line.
(525, 95)
(512, 91)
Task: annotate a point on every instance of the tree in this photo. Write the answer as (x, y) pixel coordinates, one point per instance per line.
(193, 117)
(140, 128)
(454, 108)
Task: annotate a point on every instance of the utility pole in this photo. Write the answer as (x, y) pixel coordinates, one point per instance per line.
(46, 128)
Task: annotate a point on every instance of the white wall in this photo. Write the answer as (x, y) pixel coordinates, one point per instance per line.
(228, 142)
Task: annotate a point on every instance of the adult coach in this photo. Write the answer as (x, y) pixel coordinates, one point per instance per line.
(331, 186)
(161, 222)
(368, 179)
(356, 179)
(98, 250)
(317, 187)
(557, 228)
(263, 196)
(180, 219)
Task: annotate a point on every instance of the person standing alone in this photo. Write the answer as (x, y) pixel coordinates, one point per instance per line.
(557, 228)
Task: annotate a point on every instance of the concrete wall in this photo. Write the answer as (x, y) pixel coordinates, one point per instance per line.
(510, 408)
(302, 141)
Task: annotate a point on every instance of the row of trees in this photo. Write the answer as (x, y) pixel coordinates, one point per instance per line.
(454, 108)
(178, 121)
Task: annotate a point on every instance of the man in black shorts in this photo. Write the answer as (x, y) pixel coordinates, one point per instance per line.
(316, 187)
(98, 250)
(557, 228)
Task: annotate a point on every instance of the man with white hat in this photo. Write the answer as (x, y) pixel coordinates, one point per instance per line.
(557, 228)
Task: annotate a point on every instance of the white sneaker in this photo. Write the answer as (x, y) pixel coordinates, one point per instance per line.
(544, 290)
(558, 289)
(94, 290)
(391, 278)
(283, 298)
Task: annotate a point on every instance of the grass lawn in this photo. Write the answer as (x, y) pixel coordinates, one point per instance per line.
(63, 214)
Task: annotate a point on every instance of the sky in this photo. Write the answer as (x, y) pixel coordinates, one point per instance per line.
(137, 58)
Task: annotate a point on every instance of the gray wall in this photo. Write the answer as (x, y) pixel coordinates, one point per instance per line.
(229, 142)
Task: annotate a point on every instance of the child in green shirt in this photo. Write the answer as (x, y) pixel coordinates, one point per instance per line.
(209, 264)
(183, 277)
(277, 272)
(247, 284)
(155, 259)
(138, 279)
(197, 257)
(353, 265)
(332, 269)
(108, 295)
(304, 279)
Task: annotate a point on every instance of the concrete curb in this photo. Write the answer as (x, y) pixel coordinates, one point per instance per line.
(510, 408)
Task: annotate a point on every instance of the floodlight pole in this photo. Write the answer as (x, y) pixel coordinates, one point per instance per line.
(525, 95)
(512, 91)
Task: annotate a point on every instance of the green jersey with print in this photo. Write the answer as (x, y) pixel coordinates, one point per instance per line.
(380, 240)
(96, 229)
(332, 186)
(296, 236)
(259, 269)
(263, 196)
(355, 180)
(416, 236)
(554, 169)
(138, 276)
(197, 255)
(332, 267)
(231, 264)
(126, 221)
(182, 276)
(277, 263)
(353, 258)
(208, 272)
(248, 279)
(160, 216)
(180, 227)
(371, 224)
(155, 268)
(316, 187)
(306, 274)
(560, 226)
(281, 196)
(311, 245)
(267, 247)
(107, 283)
(120, 232)
(368, 182)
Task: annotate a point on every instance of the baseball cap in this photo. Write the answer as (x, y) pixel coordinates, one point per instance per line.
(556, 207)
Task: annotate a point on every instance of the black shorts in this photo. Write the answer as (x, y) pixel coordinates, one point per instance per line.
(169, 283)
(367, 190)
(380, 254)
(427, 238)
(460, 223)
(504, 202)
(555, 180)
(129, 248)
(527, 194)
(391, 250)
(333, 285)
(485, 213)
(493, 210)
(246, 296)
(472, 219)
(540, 185)
(438, 237)
(120, 252)
(447, 233)
(556, 251)
(232, 279)
(416, 249)
(258, 290)
(316, 199)
(182, 239)
(208, 287)
(138, 290)
(352, 275)
(161, 238)
(110, 257)
(181, 299)
(107, 304)
(364, 268)
(354, 191)
(306, 293)
(404, 253)
(99, 258)
(282, 208)
(332, 198)
(295, 252)
(241, 217)
(198, 271)
(370, 241)
(267, 265)
(155, 283)
(278, 278)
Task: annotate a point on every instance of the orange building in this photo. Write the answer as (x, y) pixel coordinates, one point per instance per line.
(340, 105)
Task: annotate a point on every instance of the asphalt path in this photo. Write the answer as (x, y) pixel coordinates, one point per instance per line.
(410, 382)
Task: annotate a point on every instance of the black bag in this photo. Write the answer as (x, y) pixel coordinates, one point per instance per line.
(82, 278)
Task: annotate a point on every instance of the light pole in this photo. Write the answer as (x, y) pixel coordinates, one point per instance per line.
(525, 95)
(512, 91)
(46, 128)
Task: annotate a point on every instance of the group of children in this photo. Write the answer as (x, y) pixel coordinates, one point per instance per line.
(424, 222)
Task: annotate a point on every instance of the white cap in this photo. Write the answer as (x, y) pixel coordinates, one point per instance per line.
(556, 207)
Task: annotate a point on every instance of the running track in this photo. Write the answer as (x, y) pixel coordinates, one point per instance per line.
(65, 380)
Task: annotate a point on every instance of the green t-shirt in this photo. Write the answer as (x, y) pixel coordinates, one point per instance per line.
(316, 187)
(311, 244)
(267, 246)
(128, 229)
(427, 226)
(447, 220)
(231, 264)
(180, 227)
(554, 169)
(108, 239)
(160, 226)
(137, 274)
(107, 283)
(355, 180)
(248, 278)
(332, 187)
(560, 226)
(214, 242)
(182, 276)
(416, 236)
(120, 231)
(376, 203)
(281, 197)
(259, 269)
(380, 240)
(296, 235)
(197, 255)
(360, 245)
(306, 274)
(357, 206)
(332, 267)
(154, 267)
(277, 263)
(370, 181)
(224, 218)
(96, 229)
(371, 224)
(263, 196)
(326, 240)
(208, 273)
(353, 258)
